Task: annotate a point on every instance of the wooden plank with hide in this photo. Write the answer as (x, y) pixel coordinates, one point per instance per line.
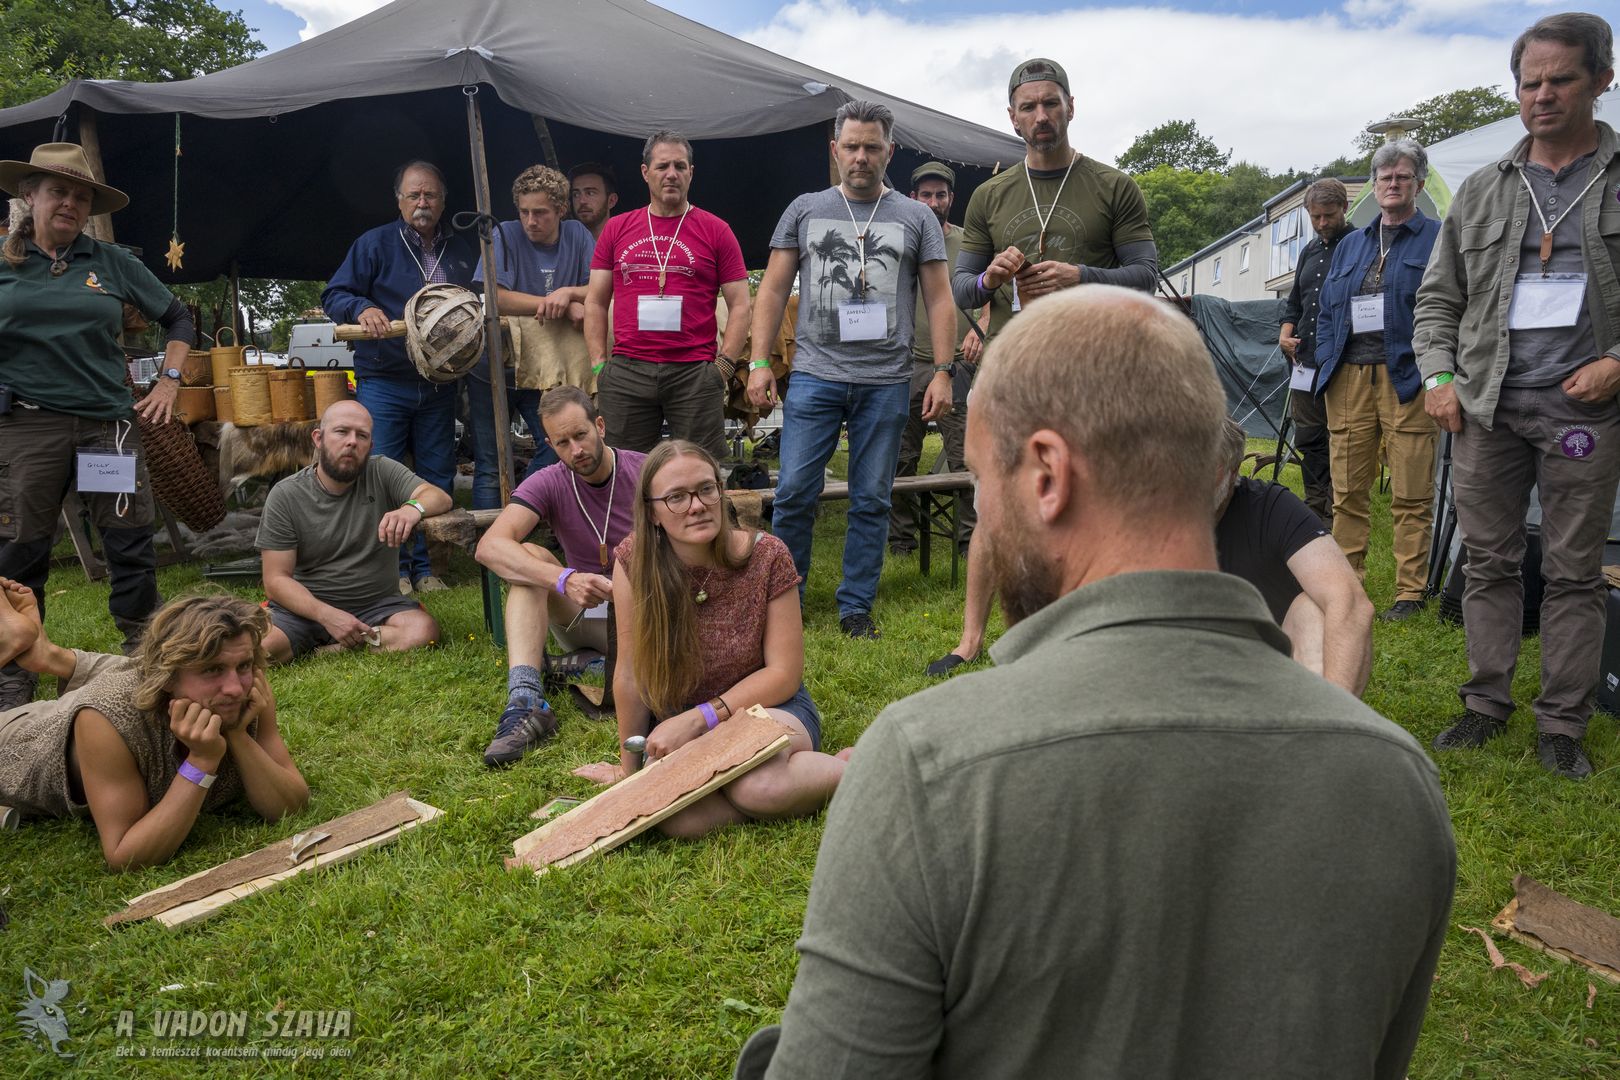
(203, 894)
(1553, 924)
(643, 799)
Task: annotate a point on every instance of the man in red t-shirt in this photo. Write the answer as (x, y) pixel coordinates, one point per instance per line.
(661, 267)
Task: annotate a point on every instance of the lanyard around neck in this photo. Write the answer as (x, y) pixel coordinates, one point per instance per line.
(433, 260)
(652, 239)
(607, 518)
(1549, 225)
(861, 231)
(1040, 241)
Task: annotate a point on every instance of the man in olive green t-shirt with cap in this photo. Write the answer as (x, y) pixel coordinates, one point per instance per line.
(1055, 220)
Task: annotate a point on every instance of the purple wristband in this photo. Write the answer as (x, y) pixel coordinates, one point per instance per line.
(196, 775)
(981, 280)
(710, 717)
(562, 580)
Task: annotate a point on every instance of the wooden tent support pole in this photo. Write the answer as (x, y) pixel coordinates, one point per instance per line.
(542, 130)
(492, 315)
(100, 227)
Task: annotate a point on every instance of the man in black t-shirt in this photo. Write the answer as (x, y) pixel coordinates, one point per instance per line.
(1265, 535)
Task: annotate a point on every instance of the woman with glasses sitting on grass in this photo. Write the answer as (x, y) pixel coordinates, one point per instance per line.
(708, 624)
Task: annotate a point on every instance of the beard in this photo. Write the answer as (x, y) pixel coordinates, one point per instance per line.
(1023, 577)
(342, 472)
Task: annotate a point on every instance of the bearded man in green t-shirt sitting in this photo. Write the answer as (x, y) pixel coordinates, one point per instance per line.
(329, 541)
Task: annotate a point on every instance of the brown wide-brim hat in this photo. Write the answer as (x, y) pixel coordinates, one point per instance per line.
(66, 160)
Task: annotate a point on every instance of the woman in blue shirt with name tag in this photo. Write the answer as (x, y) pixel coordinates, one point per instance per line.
(1369, 377)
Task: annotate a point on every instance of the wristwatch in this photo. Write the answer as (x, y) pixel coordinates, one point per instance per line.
(949, 369)
(171, 373)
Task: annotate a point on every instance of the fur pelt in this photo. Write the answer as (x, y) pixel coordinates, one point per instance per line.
(267, 451)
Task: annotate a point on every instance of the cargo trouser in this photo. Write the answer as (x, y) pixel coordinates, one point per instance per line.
(1362, 408)
(38, 467)
(637, 397)
(1570, 452)
(1315, 461)
(953, 432)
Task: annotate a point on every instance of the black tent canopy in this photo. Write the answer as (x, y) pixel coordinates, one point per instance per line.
(286, 158)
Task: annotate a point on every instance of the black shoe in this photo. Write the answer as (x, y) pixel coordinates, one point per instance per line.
(520, 730)
(901, 551)
(16, 687)
(1402, 610)
(859, 625)
(1563, 756)
(1470, 731)
(944, 665)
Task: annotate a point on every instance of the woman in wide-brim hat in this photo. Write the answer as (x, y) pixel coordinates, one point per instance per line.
(63, 390)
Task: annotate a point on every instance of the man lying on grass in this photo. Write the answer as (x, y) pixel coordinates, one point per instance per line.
(146, 742)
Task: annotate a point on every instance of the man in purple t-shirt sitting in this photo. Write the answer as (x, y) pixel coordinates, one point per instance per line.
(588, 498)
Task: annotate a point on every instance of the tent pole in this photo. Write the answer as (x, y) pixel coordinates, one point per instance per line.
(492, 315)
(542, 131)
(100, 227)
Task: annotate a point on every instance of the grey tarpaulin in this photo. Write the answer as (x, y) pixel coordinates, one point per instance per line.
(1243, 334)
(288, 157)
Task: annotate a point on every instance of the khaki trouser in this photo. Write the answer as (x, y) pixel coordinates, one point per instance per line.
(1362, 409)
(1570, 452)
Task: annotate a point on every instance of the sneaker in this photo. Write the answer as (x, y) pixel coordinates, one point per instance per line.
(1470, 731)
(404, 586)
(430, 583)
(859, 625)
(16, 687)
(1402, 610)
(1563, 756)
(521, 729)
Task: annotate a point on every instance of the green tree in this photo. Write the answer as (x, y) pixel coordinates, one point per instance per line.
(1448, 115)
(269, 307)
(1176, 143)
(48, 42)
(1188, 210)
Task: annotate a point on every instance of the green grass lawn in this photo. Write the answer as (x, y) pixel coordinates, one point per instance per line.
(658, 959)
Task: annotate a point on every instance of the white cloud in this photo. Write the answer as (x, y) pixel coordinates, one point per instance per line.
(1280, 92)
(322, 15)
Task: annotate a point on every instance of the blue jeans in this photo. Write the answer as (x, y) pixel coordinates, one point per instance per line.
(813, 412)
(418, 418)
(481, 422)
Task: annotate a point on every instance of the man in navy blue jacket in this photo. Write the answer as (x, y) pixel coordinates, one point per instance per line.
(1369, 379)
(386, 267)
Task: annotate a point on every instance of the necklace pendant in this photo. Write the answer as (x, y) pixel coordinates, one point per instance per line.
(1546, 250)
(602, 555)
(660, 283)
(702, 595)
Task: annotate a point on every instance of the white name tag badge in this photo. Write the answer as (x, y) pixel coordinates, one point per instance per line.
(863, 322)
(1366, 314)
(1016, 306)
(1543, 301)
(660, 314)
(1302, 378)
(106, 471)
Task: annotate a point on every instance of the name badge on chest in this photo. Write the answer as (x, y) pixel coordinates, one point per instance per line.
(1543, 301)
(106, 471)
(863, 322)
(659, 314)
(1366, 314)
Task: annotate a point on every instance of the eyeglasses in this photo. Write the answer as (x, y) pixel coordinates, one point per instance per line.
(1401, 179)
(423, 196)
(679, 502)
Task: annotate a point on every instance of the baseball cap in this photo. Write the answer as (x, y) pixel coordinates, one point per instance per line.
(933, 168)
(1038, 69)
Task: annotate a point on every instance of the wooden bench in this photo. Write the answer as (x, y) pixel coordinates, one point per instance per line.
(933, 517)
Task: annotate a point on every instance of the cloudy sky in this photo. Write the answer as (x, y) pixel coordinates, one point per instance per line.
(1284, 83)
